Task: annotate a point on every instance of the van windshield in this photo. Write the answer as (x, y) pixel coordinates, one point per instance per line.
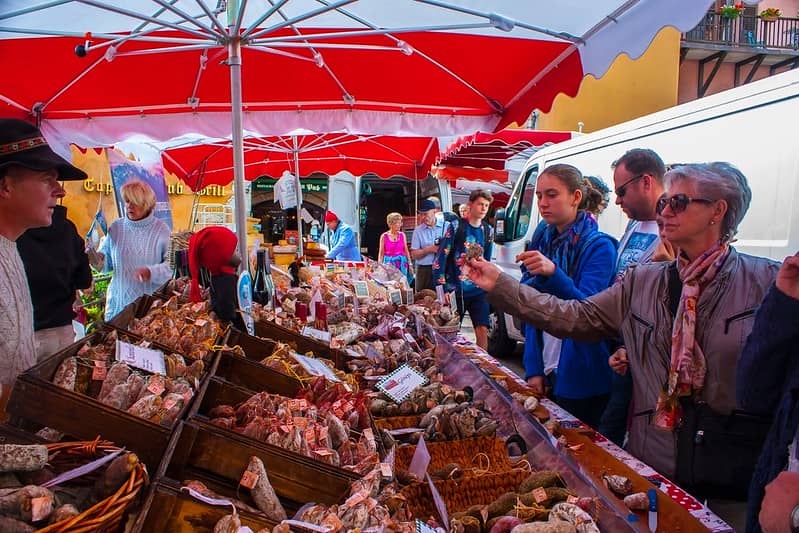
(520, 208)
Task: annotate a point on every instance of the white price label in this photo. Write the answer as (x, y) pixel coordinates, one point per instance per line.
(315, 367)
(318, 334)
(140, 357)
(400, 383)
(361, 288)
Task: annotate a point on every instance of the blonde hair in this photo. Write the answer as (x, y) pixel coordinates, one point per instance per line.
(139, 194)
(393, 217)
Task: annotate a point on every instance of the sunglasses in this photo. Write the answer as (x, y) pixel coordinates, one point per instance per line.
(678, 203)
(622, 190)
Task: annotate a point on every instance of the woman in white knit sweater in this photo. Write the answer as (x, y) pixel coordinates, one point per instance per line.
(135, 249)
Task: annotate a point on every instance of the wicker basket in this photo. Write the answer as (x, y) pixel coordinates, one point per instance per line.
(398, 422)
(108, 514)
(460, 494)
(486, 453)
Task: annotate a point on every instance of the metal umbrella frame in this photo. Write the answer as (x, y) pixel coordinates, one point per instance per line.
(426, 67)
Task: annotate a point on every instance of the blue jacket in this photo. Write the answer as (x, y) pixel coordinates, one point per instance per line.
(583, 369)
(768, 382)
(343, 245)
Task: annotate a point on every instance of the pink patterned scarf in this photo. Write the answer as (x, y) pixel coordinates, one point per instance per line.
(688, 366)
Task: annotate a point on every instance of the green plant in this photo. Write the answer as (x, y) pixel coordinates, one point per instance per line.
(94, 300)
(770, 12)
(731, 12)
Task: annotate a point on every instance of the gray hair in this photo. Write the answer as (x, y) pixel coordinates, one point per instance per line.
(718, 181)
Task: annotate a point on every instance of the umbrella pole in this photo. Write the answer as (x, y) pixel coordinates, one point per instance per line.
(296, 151)
(234, 62)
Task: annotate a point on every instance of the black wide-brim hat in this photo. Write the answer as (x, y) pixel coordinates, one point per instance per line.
(21, 143)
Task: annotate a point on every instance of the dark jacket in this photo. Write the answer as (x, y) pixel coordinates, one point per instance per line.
(225, 300)
(56, 266)
(768, 382)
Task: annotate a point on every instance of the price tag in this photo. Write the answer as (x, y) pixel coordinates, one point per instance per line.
(41, 508)
(99, 372)
(395, 297)
(156, 387)
(440, 293)
(361, 289)
(169, 404)
(385, 470)
(420, 460)
(323, 433)
(141, 357)
(301, 422)
(356, 498)
(422, 527)
(318, 334)
(439, 501)
(540, 495)
(315, 367)
(399, 384)
(324, 452)
(206, 499)
(453, 302)
(248, 479)
(200, 322)
(409, 296)
(310, 436)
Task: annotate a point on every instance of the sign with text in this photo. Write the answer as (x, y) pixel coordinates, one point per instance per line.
(361, 288)
(140, 357)
(318, 334)
(399, 384)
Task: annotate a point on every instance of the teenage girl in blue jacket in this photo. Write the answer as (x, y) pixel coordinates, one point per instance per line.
(571, 259)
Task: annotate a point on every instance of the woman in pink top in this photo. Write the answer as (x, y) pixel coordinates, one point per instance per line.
(394, 248)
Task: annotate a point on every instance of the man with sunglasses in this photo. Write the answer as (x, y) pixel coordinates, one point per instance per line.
(638, 181)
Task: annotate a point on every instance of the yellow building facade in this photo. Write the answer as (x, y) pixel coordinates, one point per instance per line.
(630, 89)
(84, 197)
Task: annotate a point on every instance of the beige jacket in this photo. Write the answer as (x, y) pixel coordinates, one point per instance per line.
(637, 309)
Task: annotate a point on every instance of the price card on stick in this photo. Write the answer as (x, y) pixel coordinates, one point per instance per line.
(399, 384)
(140, 357)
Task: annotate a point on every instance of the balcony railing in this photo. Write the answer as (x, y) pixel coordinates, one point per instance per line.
(746, 32)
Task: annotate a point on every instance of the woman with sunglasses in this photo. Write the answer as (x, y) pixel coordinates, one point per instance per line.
(683, 322)
(570, 258)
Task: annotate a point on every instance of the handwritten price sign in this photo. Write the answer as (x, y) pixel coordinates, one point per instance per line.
(400, 383)
(140, 357)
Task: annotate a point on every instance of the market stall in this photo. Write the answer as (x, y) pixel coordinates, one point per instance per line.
(357, 406)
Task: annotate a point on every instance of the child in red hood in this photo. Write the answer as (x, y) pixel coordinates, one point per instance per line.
(214, 248)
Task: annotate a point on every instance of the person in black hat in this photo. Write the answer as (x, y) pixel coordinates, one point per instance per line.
(424, 245)
(29, 191)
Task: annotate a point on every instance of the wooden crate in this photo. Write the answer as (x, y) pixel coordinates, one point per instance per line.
(303, 344)
(166, 508)
(207, 452)
(254, 376)
(36, 401)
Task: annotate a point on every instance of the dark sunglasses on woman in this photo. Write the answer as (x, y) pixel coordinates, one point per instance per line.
(678, 203)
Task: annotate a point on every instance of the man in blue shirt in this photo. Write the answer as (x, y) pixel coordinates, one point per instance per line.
(424, 245)
(342, 242)
(463, 237)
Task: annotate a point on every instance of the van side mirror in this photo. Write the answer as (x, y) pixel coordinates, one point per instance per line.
(499, 225)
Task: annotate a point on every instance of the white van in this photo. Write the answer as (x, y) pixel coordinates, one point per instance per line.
(755, 127)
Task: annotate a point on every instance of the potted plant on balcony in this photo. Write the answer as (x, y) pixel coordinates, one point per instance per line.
(731, 11)
(770, 14)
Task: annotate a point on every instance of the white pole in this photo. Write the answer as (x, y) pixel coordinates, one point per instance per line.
(296, 151)
(234, 62)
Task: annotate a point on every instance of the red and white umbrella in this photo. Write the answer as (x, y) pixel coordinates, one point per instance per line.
(165, 68)
(201, 165)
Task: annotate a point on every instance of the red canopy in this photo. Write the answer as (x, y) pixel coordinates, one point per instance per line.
(482, 156)
(212, 164)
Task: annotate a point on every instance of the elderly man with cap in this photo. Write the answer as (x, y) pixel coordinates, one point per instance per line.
(29, 191)
(214, 249)
(424, 245)
(342, 241)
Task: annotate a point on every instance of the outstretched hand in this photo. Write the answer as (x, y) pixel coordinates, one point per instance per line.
(483, 273)
(536, 263)
(788, 276)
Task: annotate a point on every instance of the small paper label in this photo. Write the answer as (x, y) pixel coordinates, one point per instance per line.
(203, 498)
(323, 451)
(369, 434)
(395, 297)
(200, 322)
(315, 367)
(248, 479)
(41, 508)
(156, 387)
(422, 527)
(440, 293)
(361, 288)
(540, 494)
(453, 302)
(300, 422)
(141, 357)
(399, 384)
(323, 433)
(99, 372)
(385, 470)
(310, 436)
(420, 460)
(318, 334)
(356, 498)
(169, 404)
